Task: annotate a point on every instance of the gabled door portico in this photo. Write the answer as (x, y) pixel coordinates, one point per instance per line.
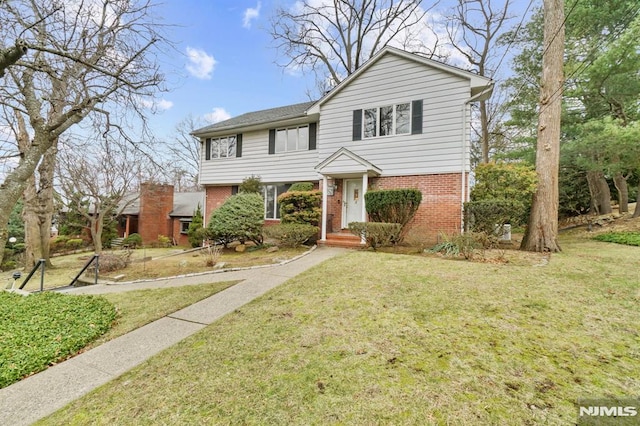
(355, 172)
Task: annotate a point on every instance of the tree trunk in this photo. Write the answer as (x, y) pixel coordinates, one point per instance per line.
(484, 123)
(636, 211)
(38, 211)
(600, 193)
(623, 192)
(542, 231)
(97, 224)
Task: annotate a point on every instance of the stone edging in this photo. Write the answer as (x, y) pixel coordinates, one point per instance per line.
(219, 271)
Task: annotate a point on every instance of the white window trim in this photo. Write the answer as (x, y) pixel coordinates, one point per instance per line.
(288, 129)
(215, 143)
(378, 122)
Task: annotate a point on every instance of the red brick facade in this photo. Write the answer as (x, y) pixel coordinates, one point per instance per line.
(215, 197)
(156, 202)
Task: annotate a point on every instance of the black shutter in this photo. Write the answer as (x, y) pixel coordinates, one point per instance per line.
(416, 117)
(234, 189)
(357, 125)
(272, 141)
(239, 145)
(207, 149)
(313, 127)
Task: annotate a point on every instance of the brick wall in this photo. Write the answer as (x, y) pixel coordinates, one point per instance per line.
(180, 239)
(439, 211)
(215, 197)
(156, 202)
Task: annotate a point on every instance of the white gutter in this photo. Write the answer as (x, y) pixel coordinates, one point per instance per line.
(463, 195)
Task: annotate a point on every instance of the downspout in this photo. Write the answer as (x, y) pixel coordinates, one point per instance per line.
(465, 135)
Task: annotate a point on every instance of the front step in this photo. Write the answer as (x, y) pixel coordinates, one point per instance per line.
(342, 239)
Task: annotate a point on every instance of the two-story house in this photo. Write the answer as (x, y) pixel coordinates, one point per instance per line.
(399, 121)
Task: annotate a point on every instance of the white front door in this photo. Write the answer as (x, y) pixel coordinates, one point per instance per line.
(352, 202)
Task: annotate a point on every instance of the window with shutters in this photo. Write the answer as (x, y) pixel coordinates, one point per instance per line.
(399, 119)
(223, 147)
(292, 139)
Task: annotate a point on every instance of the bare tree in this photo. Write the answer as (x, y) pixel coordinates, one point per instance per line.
(97, 182)
(93, 59)
(473, 31)
(184, 151)
(333, 38)
(542, 230)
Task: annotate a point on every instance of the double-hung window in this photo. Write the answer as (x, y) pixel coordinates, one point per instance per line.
(292, 139)
(387, 120)
(398, 119)
(223, 147)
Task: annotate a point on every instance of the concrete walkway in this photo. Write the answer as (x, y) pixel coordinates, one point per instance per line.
(44, 393)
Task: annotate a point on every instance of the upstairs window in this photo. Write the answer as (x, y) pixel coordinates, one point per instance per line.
(292, 139)
(398, 119)
(225, 147)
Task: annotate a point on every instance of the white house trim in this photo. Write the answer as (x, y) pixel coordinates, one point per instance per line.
(344, 163)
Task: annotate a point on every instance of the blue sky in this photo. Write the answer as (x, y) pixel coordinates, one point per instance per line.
(225, 63)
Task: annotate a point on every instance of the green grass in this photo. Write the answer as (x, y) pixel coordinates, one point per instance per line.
(45, 328)
(625, 237)
(378, 338)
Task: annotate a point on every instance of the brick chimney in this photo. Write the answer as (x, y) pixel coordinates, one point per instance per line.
(156, 202)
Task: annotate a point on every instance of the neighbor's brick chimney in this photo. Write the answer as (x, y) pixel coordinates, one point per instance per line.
(156, 202)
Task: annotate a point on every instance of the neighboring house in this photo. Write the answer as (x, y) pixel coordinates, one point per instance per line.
(158, 210)
(399, 121)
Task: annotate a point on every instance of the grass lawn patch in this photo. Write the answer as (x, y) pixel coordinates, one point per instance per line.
(625, 237)
(43, 328)
(377, 338)
(46, 328)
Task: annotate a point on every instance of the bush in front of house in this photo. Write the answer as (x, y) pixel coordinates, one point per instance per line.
(292, 234)
(377, 234)
(251, 184)
(301, 186)
(240, 218)
(393, 206)
(132, 241)
(300, 207)
(196, 232)
(488, 216)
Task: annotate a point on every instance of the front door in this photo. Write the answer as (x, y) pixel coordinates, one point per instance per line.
(352, 202)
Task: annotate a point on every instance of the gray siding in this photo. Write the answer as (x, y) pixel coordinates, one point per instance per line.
(396, 80)
(275, 168)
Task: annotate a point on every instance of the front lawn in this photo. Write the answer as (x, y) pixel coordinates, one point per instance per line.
(378, 338)
(45, 328)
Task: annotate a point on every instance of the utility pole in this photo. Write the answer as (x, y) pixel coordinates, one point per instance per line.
(542, 230)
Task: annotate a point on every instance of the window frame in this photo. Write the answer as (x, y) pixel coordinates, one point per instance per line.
(184, 222)
(276, 207)
(216, 144)
(380, 125)
(288, 131)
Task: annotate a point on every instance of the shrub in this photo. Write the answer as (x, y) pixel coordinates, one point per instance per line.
(300, 207)
(196, 232)
(465, 244)
(292, 234)
(629, 238)
(112, 261)
(241, 218)
(483, 216)
(251, 184)
(74, 243)
(132, 241)
(377, 234)
(164, 241)
(301, 186)
(58, 244)
(393, 206)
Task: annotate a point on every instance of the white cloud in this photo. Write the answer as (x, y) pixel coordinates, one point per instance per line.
(156, 104)
(200, 65)
(251, 14)
(217, 115)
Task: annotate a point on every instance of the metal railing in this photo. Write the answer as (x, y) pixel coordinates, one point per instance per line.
(96, 258)
(40, 265)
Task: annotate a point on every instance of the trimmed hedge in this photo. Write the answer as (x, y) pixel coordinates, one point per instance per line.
(300, 207)
(241, 218)
(292, 234)
(377, 234)
(393, 206)
(301, 186)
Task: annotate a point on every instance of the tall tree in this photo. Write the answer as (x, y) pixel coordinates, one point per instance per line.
(97, 181)
(184, 150)
(333, 38)
(86, 59)
(473, 29)
(542, 229)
